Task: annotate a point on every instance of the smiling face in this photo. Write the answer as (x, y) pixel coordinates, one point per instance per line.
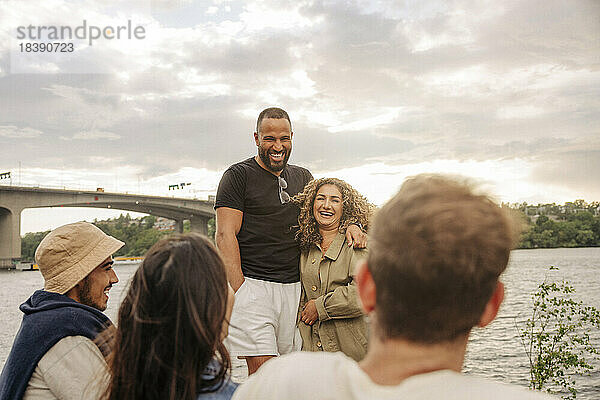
(328, 207)
(274, 141)
(93, 289)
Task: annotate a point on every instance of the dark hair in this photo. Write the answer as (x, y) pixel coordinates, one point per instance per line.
(272, 112)
(356, 209)
(436, 252)
(170, 323)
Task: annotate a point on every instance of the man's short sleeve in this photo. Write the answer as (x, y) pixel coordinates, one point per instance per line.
(232, 188)
(307, 177)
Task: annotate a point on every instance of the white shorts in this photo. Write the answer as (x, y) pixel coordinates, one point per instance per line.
(263, 321)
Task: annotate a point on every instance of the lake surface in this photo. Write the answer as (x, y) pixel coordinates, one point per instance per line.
(494, 352)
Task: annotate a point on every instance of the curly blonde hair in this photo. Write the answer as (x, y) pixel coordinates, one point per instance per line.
(356, 209)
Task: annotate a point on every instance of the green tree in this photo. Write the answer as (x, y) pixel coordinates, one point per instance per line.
(548, 238)
(574, 229)
(211, 229)
(567, 234)
(148, 221)
(543, 223)
(143, 241)
(556, 338)
(29, 244)
(137, 236)
(585, 237)
(595, 228)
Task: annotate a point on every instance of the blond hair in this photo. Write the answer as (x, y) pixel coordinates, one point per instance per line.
(437, 249)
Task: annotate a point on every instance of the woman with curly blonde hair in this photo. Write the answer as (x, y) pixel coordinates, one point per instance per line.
(330, 317)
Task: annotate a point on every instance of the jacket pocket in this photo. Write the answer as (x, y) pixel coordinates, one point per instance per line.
(352, 336)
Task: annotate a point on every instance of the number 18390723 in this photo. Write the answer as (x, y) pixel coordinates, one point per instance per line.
(41, 47)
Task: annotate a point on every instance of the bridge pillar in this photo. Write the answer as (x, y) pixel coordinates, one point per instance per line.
(179, 227)
(199, 224)
(10, 232)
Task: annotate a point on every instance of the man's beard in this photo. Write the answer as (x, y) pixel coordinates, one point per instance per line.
(264, 156)
(85, 296)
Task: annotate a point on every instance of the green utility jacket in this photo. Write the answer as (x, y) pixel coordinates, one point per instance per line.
(328, 279)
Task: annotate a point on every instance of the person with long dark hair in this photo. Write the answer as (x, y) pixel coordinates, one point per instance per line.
(171, 324)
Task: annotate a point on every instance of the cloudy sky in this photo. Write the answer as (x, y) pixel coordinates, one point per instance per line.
(505, 92)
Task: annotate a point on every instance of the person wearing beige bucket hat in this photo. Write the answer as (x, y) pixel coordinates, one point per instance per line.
(54, 355)
(70, 253)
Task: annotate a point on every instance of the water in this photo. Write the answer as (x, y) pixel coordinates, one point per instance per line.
(494, 352)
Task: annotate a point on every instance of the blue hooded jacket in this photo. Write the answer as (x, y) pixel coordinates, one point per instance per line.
(48, 318)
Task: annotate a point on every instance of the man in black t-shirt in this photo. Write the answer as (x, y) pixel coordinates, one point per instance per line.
(256, 225)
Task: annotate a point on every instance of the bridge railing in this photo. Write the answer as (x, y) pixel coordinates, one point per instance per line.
(206, 194)
(35, 186)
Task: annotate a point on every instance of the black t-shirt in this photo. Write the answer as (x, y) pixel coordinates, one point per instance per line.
(268, 249)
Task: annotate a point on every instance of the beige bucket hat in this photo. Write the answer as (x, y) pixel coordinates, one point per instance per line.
(70, 252)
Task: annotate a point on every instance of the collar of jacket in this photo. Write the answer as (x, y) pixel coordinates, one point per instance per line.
(335, 248)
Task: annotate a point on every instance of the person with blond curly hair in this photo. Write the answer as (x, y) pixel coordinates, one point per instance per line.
(330, 317)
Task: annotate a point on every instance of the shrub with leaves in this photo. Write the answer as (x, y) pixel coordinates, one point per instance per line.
(557, 338)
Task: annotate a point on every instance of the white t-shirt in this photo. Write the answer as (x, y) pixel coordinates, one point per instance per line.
(320, 376)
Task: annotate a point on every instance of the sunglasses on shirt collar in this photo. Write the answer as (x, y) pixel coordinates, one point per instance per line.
(284, 197)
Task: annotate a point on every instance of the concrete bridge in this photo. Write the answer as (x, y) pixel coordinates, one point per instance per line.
(14, 199)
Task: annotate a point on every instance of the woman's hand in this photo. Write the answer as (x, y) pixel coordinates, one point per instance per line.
(310, 314)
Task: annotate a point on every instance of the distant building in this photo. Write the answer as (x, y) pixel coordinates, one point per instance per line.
(127, 220)
(164, 224)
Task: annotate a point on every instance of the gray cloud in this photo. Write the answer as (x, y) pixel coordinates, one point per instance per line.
(470, 80)
(573, 169)
(11, 131)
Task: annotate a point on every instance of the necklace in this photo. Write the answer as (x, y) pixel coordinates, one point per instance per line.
(327, 239)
